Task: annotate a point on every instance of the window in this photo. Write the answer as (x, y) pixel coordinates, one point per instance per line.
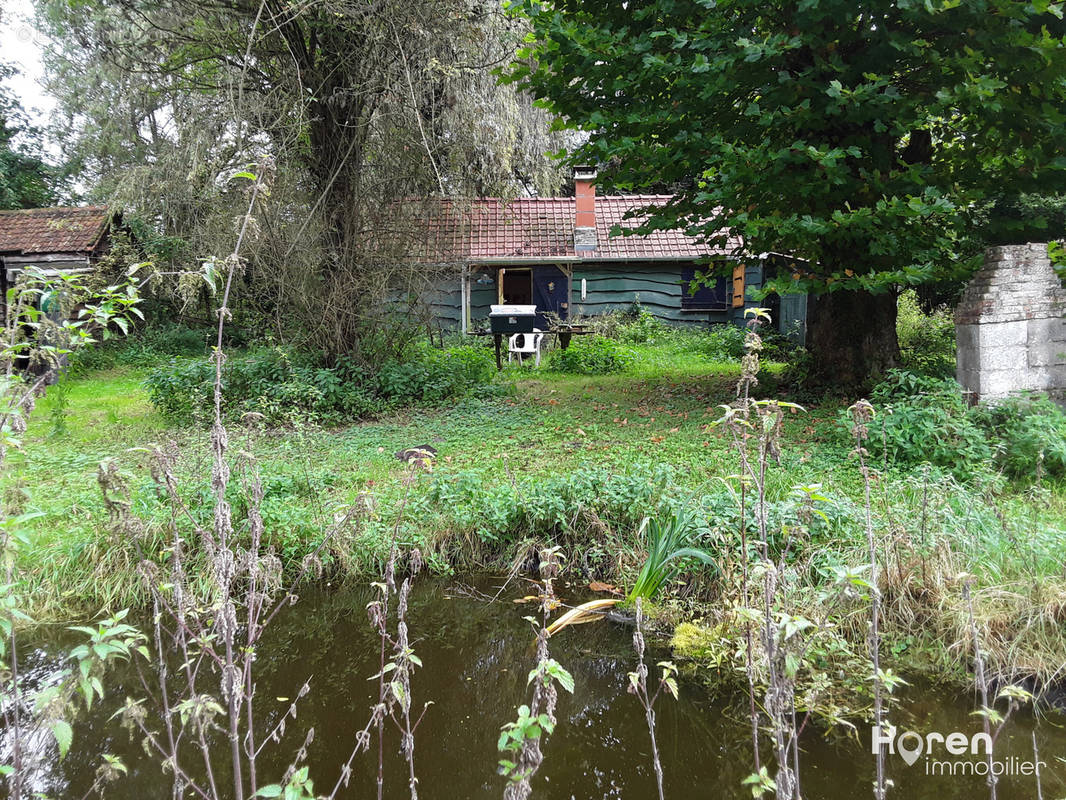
(712, 292)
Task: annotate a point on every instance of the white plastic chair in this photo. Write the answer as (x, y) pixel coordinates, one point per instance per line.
(525, 344)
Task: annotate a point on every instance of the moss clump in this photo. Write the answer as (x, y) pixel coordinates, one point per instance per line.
(709, 646)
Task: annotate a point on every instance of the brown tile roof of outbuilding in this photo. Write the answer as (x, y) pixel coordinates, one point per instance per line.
(490, 229)
(36, 231)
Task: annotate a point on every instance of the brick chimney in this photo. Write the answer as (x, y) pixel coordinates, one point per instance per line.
(585, 219)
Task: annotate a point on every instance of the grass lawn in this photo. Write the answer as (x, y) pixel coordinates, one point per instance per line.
(575, 460)
(655, 413)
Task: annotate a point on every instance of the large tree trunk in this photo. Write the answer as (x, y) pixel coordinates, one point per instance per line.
(852, 338)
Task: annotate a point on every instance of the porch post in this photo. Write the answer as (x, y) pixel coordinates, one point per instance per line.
(568, 271)
(464, 298)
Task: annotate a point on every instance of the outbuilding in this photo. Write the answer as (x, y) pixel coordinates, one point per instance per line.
(569, 257)
(54, 240)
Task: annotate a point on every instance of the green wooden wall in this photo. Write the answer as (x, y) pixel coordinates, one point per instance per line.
(788, 312)
(614, 287)
(444, 302)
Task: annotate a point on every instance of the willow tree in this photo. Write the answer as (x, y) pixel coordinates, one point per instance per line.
(865, 139)
(359, 105)
(26, 179)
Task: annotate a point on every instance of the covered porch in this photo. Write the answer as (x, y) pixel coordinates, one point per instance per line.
(549, 287)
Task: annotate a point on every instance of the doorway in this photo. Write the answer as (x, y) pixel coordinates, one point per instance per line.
(516, 287)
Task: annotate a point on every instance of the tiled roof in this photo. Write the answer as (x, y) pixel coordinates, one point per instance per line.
(36, 231)
(490, 229)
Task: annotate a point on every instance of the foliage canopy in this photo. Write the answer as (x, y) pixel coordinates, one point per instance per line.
(26, 181)
(867, 139)
(349, 108)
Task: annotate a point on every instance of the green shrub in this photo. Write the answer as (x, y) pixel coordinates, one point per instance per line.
(902, 386)
(1029, 435)
(180, 390)
(923, 419)
(590, 355)
(926, 341)
(723, 343)
(169, 339)
(287, 386)
(145, 347)
(778, 347)
(101, 356)
(637, 326)
(539, 506)
(435, 375)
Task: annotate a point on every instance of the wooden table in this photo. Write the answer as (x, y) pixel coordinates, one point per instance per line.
(565, 333)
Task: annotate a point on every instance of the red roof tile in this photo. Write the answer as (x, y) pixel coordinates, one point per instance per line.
(36, 231)
(490, 229)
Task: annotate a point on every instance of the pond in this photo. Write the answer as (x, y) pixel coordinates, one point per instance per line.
(477, 656)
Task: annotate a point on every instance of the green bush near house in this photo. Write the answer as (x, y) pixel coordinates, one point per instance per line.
(723, 343)
(435, 375)
(778, 347)
(926, 341)
(287, 386)
(638, 326)
(922, 419)
(591, 355)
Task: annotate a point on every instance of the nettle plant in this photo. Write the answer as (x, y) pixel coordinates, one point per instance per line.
(520, 741)
(781, 640)
(46, 318)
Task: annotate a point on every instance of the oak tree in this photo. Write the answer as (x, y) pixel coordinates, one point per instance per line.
(870, 141)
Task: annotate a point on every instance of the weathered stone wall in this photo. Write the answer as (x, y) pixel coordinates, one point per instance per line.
(1009, 326)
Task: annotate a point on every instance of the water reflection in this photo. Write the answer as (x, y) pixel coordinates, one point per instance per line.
(477, 657)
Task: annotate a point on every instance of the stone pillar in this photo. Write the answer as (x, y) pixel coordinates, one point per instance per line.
(1009, 326)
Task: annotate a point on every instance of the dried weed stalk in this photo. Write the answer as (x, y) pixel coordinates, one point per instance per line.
(638, 686)
(520, 741)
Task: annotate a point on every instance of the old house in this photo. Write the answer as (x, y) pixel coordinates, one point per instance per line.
(558, 254)
(52, 240)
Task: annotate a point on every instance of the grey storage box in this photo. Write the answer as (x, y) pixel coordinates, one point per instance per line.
(512, 319)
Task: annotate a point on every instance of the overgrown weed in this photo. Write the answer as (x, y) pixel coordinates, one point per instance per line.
(578, 461)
